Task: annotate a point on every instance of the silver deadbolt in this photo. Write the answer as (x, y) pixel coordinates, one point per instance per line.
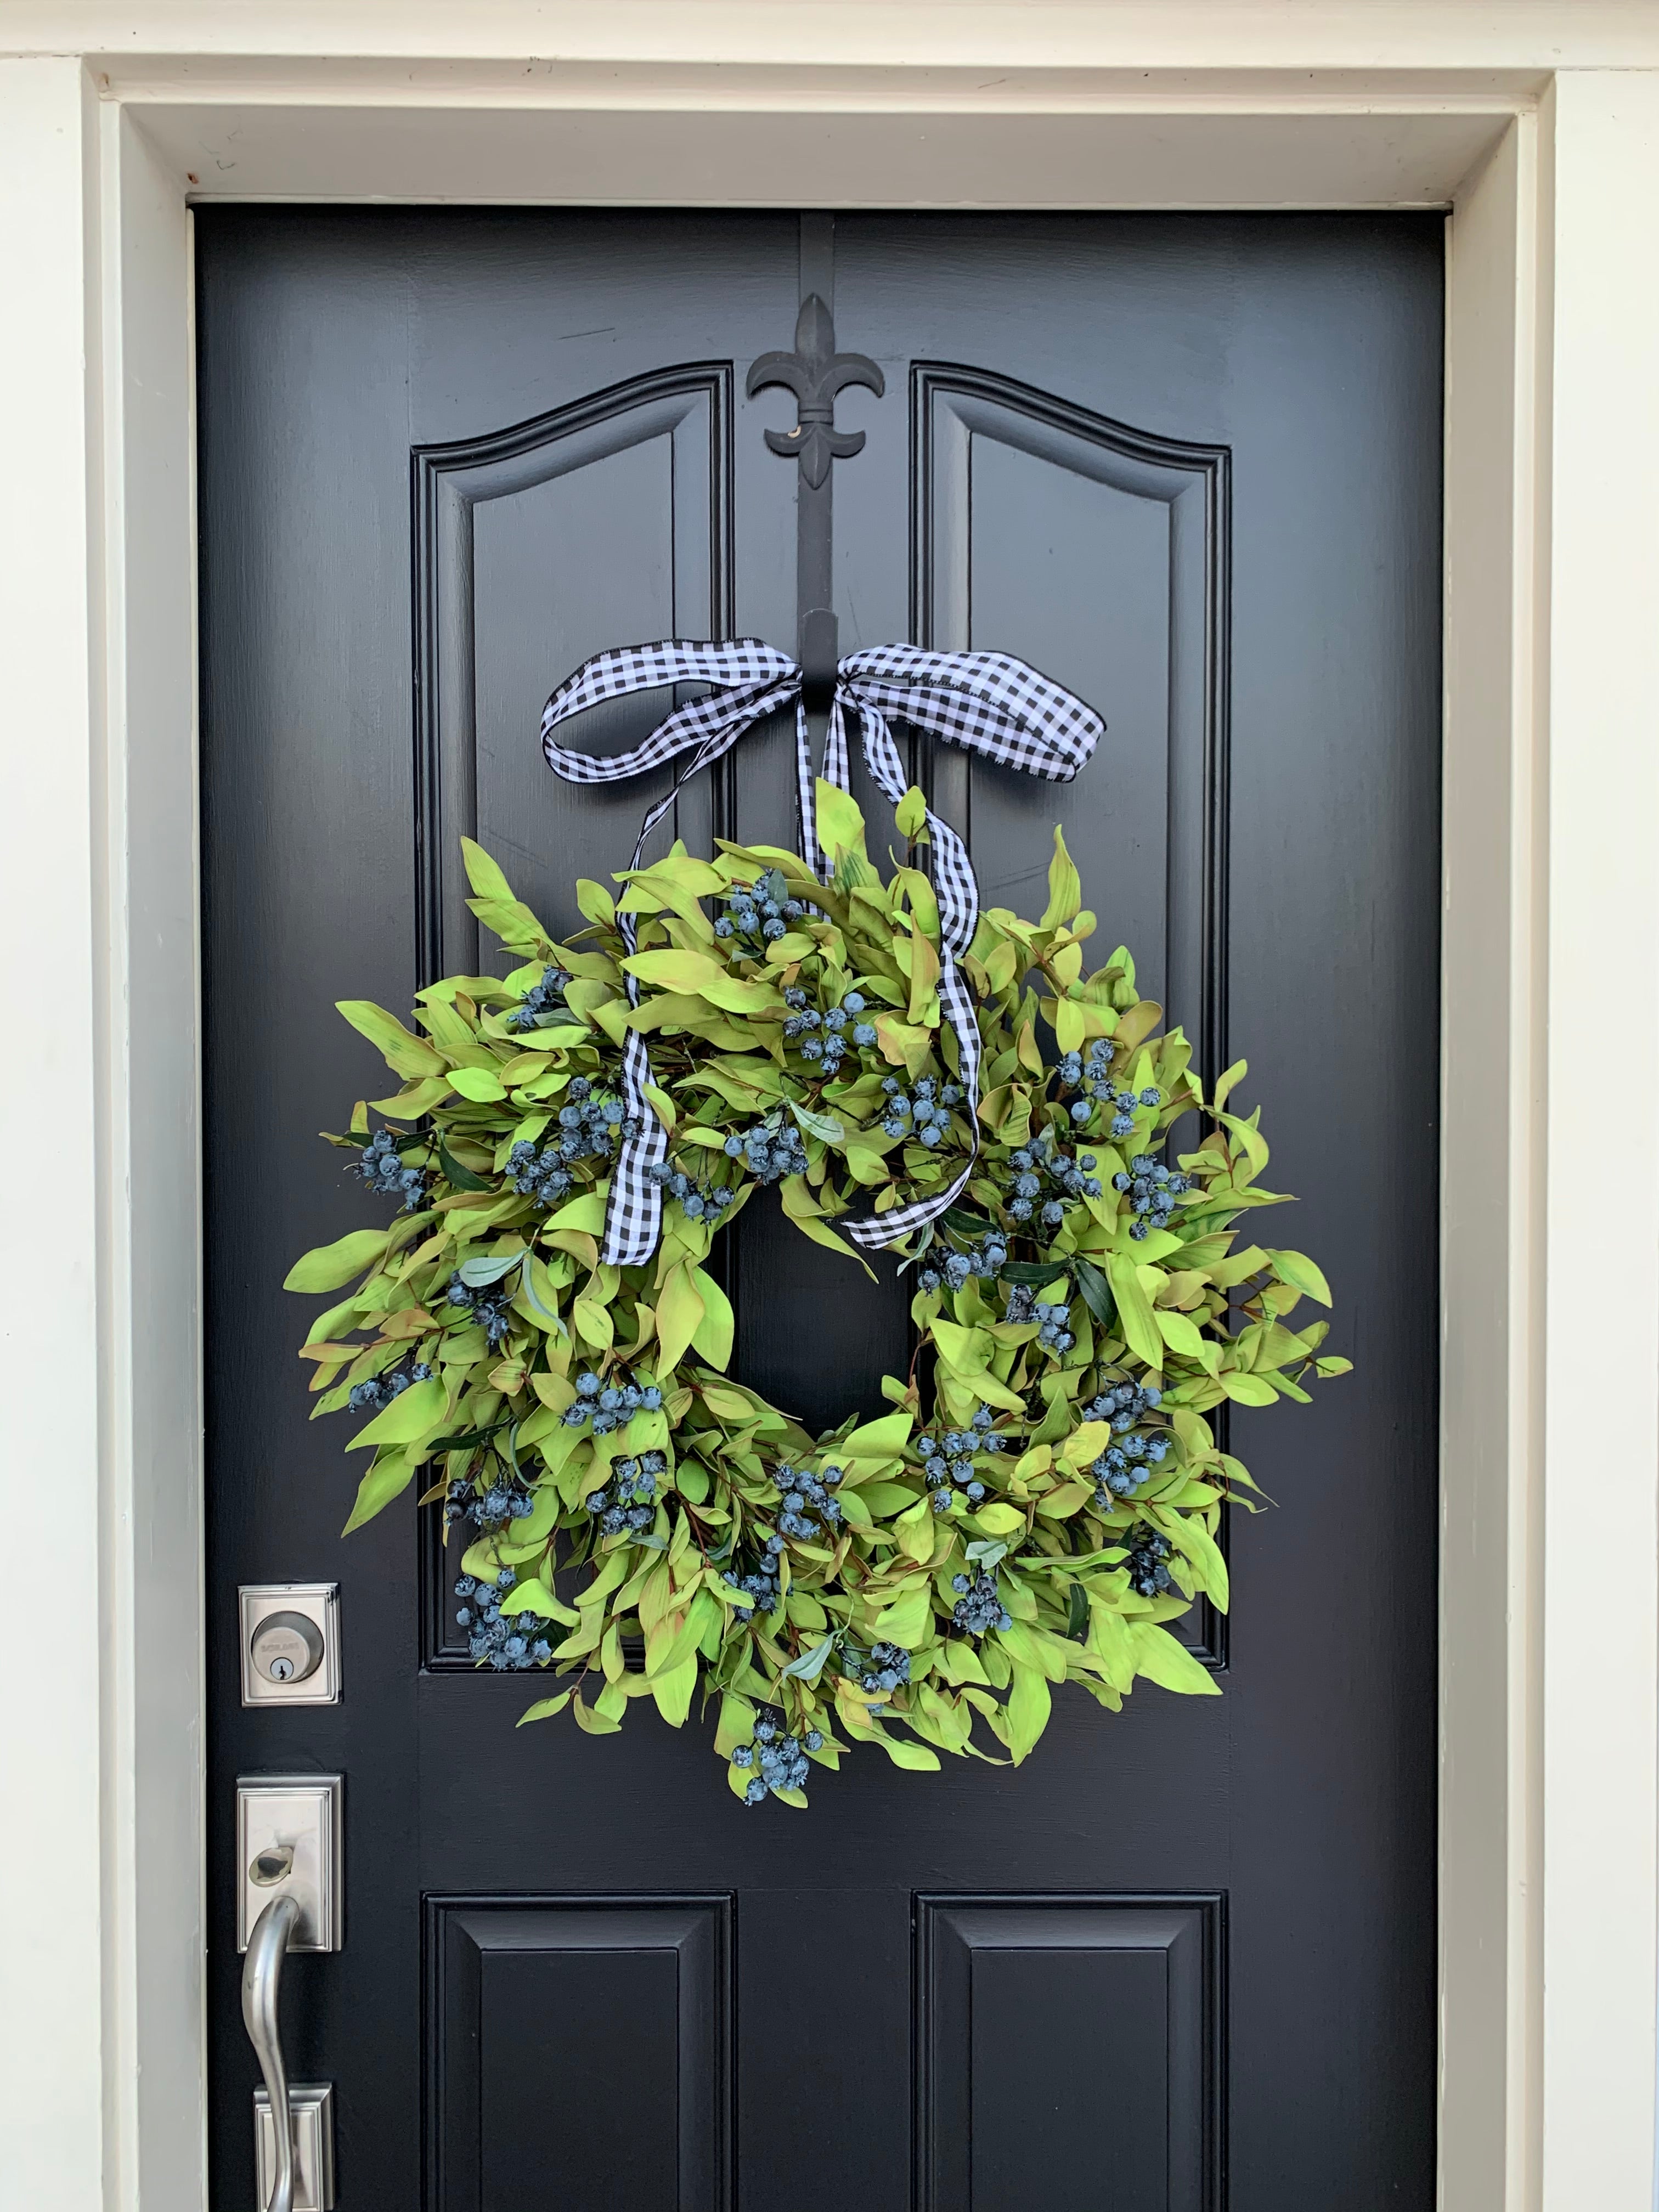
(286, 1647)
(291, 1644)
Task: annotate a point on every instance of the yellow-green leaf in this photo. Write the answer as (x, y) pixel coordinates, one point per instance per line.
(1135, 1310)
(407, 1053)
(385, 1480)
(479, 1085)
(330, 1264)
(841, 825)
(713, 1332)
(1161, 1658)
(680, 1313)
(1298, 1270)
(1065, 886)
(413, 1414)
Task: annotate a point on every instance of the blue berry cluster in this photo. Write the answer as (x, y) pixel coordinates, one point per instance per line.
(1147, 1552)
(610, 1405)
(759, 1591)
(1123, 1467)
(923, 1113)
(1040, 1163)
(947, 1458)
(984, 1261)
(978, 1607)
(542, 1176)
(779, 1761)
(1051, 1331)
(380, 1389)
(629, 1501)
(885, 1667)
(487, 1305)
(1093, 1078)
(507, 1642)
(804, 1494)
(824, 1037)
(698, 1201)
(591, 1123)
(758, 915)
(505, 1500)
(1153, 1190)
(381, 1167)
(770, 1149)
(543, 1003)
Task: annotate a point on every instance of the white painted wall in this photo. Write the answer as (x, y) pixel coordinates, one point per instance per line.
(1540, 120)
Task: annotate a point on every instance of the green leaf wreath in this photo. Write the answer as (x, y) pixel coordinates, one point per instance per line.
(1044, 1496)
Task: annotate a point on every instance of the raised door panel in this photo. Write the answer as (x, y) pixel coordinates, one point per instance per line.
(1100, 553)
(1067, 2048)
(579, 2054)
(603, 523)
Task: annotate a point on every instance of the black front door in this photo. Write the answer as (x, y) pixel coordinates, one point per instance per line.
(1189, 466)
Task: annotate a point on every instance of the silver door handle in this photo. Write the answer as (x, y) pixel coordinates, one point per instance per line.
(262, 1978)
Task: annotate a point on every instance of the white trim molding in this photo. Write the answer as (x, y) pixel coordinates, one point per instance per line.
(1535, 122)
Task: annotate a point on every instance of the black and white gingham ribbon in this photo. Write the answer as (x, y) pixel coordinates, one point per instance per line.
(988, 702)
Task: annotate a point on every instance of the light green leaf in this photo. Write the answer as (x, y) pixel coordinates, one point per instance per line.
(386, 1481)
(413, 1414)
(807, 1666)
(1298, 1270)
(713, 1332)
(1065, 886)
(680, 1314)
(1248, 1389)
(1134, 1309)
(914, 1756)
(332, 1265)
(1030, 1704)
(840, 825)
(477, 1084)
(818, 1125)
(1162, 1659)
(673, 1690)
(544, 1708)
(407, 1053)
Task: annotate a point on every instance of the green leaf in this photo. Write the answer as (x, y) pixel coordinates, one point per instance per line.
(456, 1176)
(413, 1414)
(1065, 886)
(880, 1439)
(914, 1756)
(713, 1332)
(1096, 1291)
(488, 1268)
(544, 1708)
(680, 1314)
(1298, 1270)
(481, 873)
(840, 825)
(1246, 1390)
(387, 1479)
(819, 1125)
(479, 1085)
(1135, 1310)
(677, 969)
(407, 1053)
(1162, 1659)
(332, 1265)
(673, 1690)
(910, 815)
(1030, 1704)
(807, 1666)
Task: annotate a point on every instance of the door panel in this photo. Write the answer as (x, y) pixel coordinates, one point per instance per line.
(583, 2052)
(1127, 1990)
(1190, 466)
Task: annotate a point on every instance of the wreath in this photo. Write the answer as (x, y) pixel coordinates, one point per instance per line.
(1043, 1497)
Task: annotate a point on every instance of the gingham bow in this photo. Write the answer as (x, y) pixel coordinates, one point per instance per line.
(988, 702)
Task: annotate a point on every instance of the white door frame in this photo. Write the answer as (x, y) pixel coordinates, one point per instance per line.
(1537, 125)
